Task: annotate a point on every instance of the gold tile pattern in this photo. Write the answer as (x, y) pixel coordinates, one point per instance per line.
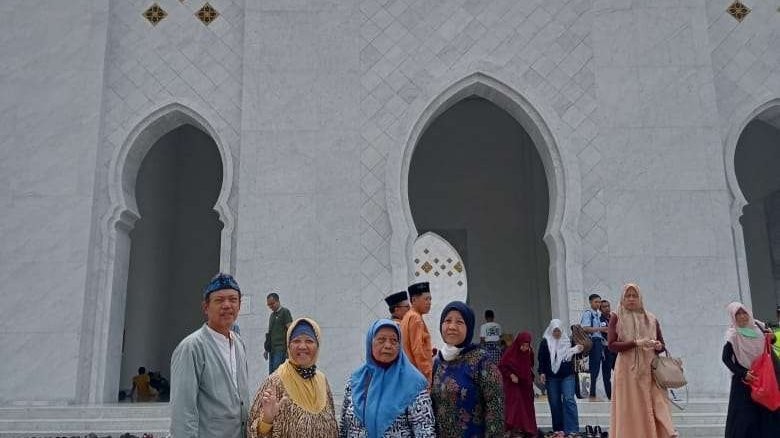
(426, 267)
(458, 267)
(155, 14)
(738, 10)
(207, 14)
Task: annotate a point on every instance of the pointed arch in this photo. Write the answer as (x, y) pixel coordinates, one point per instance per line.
(738, 199)
(127, 160)
(104, 310)
(561, 238)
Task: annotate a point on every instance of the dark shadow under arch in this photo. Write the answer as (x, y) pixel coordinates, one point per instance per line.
(175, 247)
(756, 164)
(477, 179)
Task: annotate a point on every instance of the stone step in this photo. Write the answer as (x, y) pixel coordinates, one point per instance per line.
(120, 410)
(701, 418)
(692, 406)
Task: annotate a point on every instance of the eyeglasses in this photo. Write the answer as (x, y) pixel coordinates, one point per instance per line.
(382, 341)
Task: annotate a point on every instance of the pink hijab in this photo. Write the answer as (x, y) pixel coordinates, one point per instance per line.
(745, 349)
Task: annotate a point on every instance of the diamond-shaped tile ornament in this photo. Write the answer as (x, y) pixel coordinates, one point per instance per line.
(207, 14)
(155, 14)
(738, 10)
(427, 267)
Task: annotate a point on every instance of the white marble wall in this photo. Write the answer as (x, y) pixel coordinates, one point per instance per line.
(315, 103)
(50, 94)
(299, 212)
(179, 63)
(667, 220)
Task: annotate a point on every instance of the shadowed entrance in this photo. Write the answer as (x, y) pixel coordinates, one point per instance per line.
(477, 180)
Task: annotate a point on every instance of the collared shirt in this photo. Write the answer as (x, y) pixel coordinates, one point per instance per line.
(592, 318)
(227, 349)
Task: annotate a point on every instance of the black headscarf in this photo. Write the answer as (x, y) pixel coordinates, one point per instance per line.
(468, 316)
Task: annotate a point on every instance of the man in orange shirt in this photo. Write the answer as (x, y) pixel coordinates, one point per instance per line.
(414, 333)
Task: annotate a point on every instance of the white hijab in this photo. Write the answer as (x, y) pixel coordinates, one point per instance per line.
(560, 349)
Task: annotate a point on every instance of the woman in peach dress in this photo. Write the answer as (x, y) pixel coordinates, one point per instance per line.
(640, 409)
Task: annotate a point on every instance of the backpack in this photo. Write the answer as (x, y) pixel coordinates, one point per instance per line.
(580, 337)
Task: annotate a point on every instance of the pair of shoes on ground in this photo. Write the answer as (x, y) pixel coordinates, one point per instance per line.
(560, 434)
(594, 432)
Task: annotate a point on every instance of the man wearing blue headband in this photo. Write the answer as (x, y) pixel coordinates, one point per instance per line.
(209, 390)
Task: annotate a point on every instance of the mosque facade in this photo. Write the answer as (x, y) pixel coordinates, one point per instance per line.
(520, 155)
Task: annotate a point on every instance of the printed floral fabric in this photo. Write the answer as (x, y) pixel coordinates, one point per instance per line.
(416, 422)
(467, 395)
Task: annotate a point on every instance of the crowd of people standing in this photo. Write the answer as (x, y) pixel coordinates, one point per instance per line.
(405, 388)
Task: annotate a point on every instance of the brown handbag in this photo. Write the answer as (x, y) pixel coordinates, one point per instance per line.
(668, 372)
(580, 337)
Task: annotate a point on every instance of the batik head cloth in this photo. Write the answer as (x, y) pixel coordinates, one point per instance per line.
(219, 282)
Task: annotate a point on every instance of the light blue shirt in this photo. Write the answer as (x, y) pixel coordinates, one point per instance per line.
(592, 318)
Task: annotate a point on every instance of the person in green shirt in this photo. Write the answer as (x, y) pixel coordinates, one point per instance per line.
(776, 330)
(276, 339)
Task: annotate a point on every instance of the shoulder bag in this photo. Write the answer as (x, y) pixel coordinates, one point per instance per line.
(668, 372)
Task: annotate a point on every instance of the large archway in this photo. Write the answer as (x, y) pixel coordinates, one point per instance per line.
(103, 322)
(756, 164)
(477, 180)
(175, 247)
(560, 165)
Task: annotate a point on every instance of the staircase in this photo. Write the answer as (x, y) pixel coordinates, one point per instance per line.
(705, 418)
(701, 418)
(78, 421)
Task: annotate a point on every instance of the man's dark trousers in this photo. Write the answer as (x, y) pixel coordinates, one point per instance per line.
(594, 363)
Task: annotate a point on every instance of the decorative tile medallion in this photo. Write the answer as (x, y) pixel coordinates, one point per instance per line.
(207, 14)
(738, 10)
(155, 14)
(438, 262)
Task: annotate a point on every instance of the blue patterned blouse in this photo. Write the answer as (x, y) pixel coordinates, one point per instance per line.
(468, 398)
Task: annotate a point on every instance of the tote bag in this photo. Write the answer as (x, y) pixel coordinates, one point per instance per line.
(668, 372)
(764, 389)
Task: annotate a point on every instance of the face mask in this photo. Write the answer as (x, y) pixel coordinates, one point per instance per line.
(748, 332)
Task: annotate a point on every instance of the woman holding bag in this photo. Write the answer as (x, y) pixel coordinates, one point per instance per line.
(640, 409)
(745, 342)
(556, 371)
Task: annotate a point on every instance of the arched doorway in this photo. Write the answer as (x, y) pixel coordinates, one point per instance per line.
(477, 179)
(756, 165)
(174, 247)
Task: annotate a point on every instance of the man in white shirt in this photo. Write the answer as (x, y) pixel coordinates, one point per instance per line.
(490, 336)
(209, 383)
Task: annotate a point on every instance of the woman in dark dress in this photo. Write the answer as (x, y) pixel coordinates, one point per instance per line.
(517, 370)
(744, 343)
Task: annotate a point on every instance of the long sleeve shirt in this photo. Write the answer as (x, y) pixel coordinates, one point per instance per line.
(417, 343)
(204, 401)
(545, 363)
